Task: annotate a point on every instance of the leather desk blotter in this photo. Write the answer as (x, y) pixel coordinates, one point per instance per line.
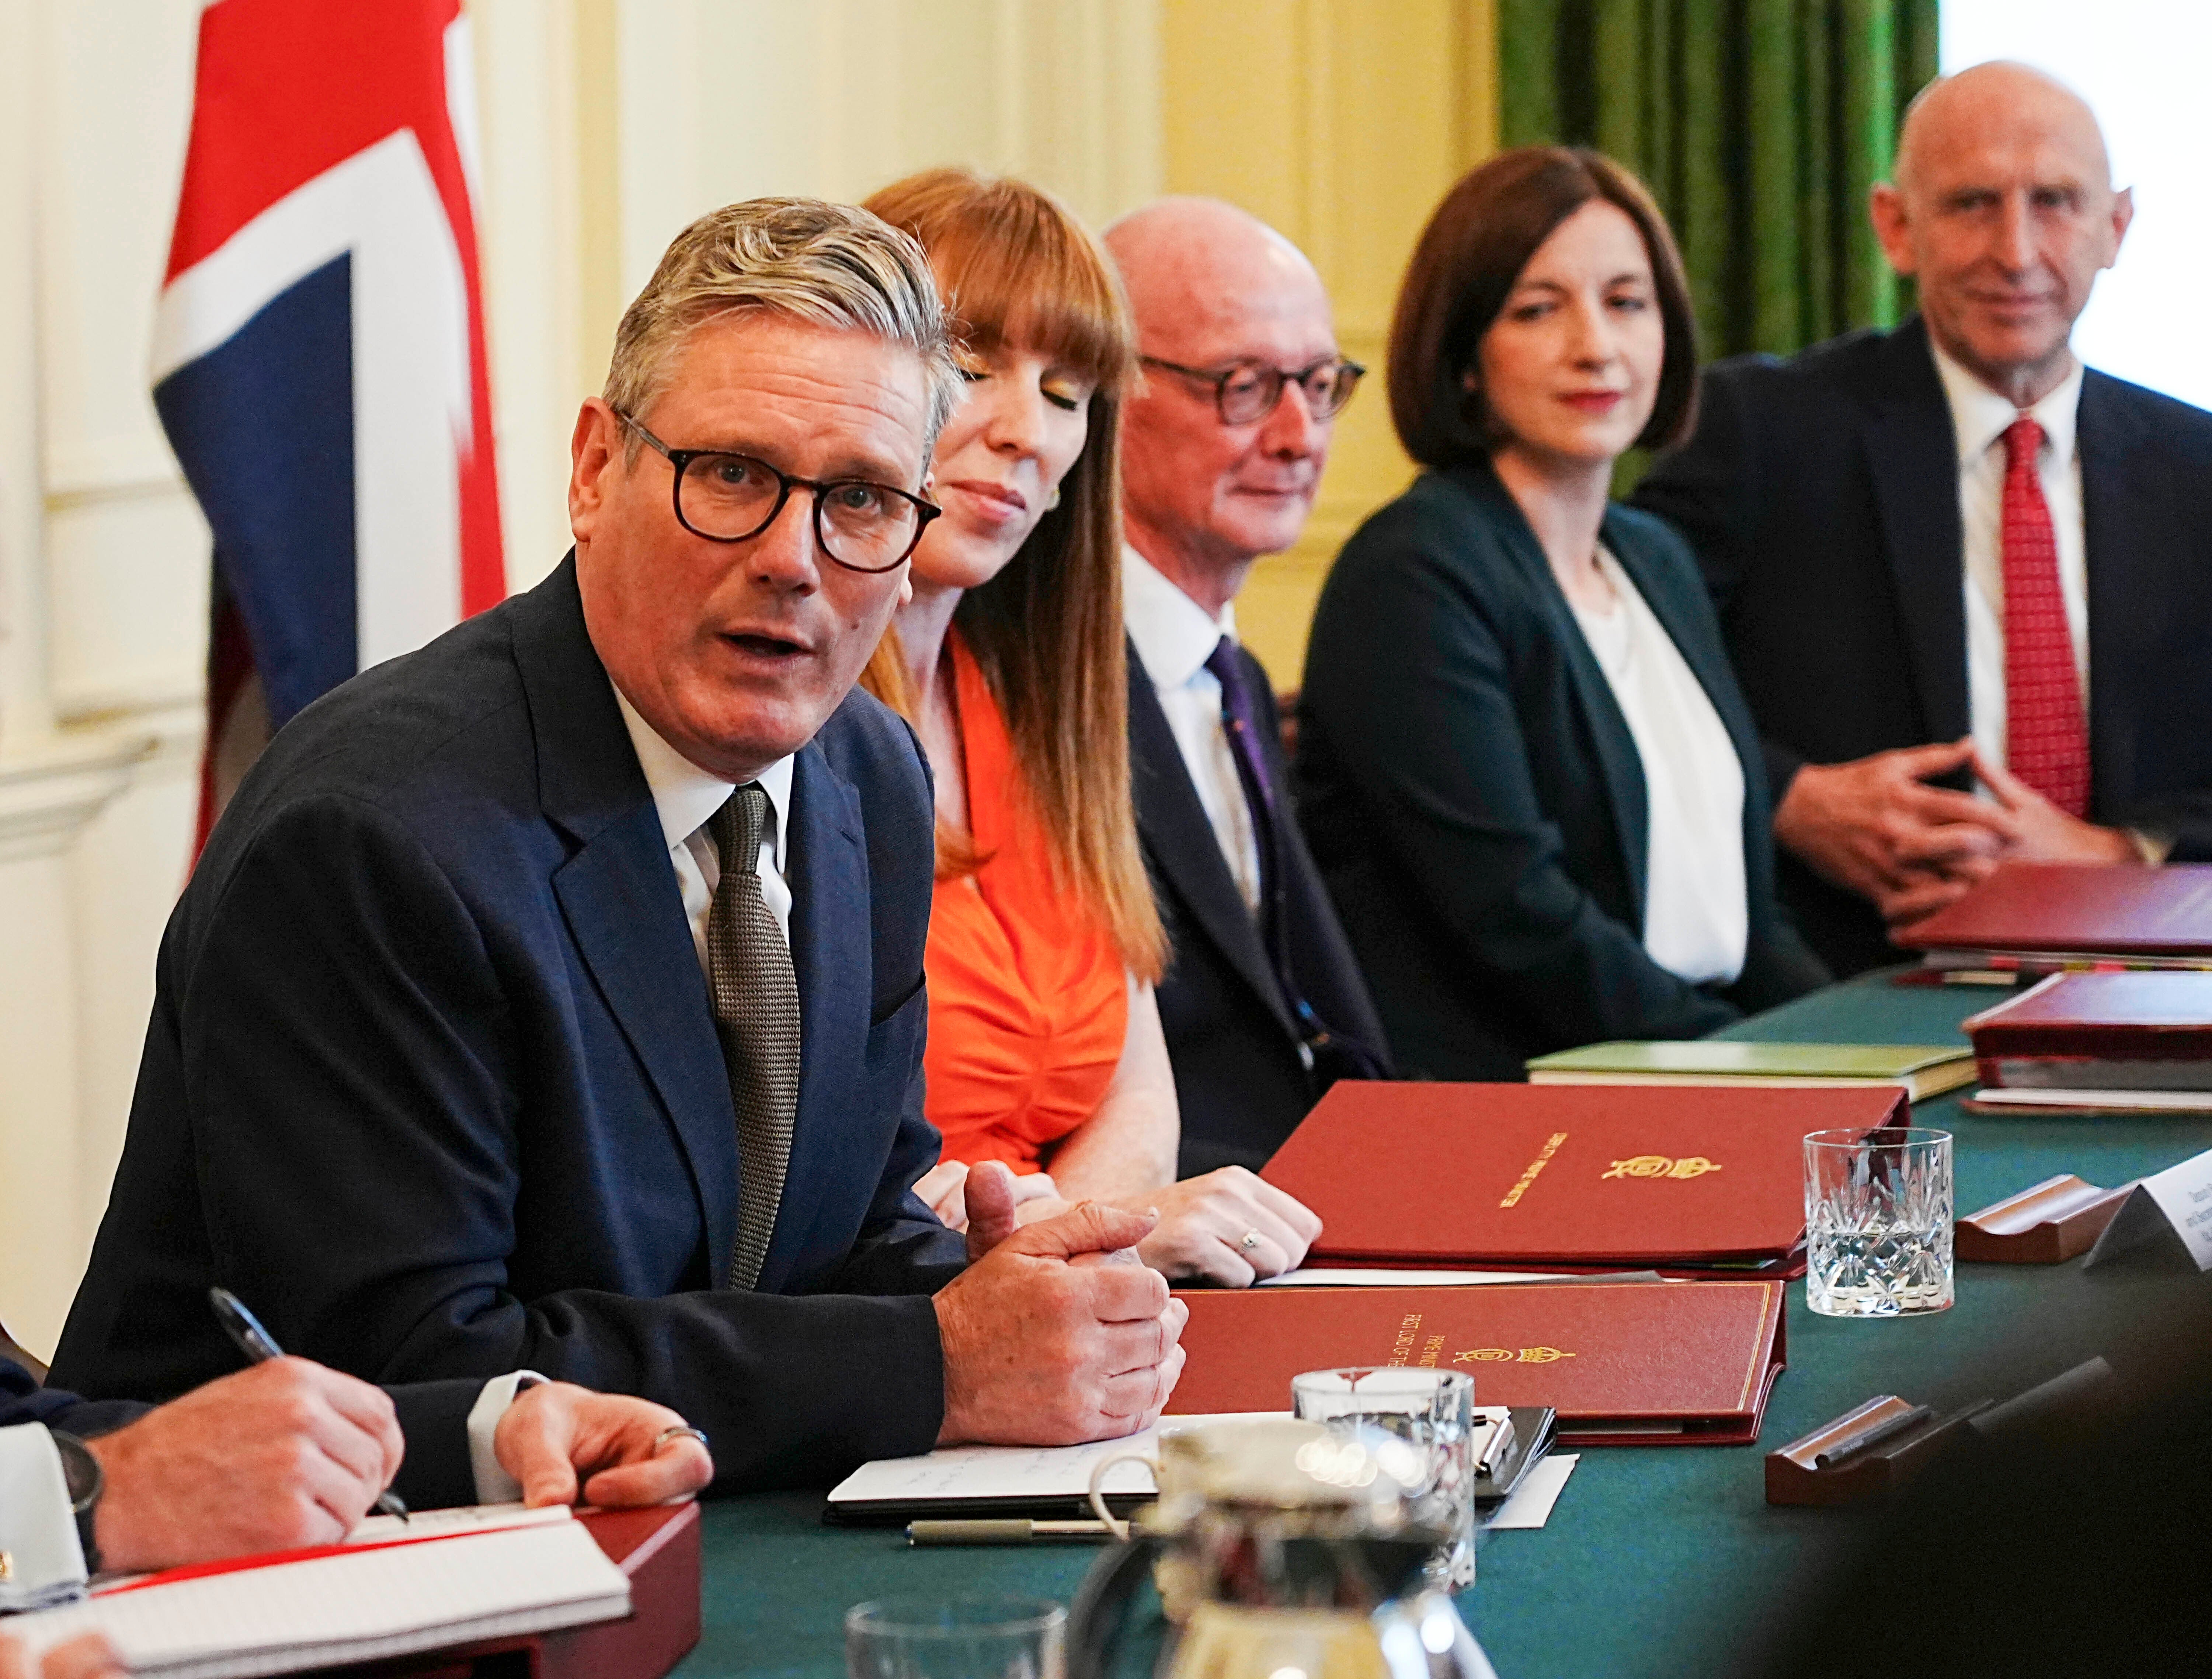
(1535, 1177)
(1623, 1364)
(658, 1549)
(2054, 909)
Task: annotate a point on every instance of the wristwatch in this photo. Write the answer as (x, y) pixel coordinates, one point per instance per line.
(81, 1473)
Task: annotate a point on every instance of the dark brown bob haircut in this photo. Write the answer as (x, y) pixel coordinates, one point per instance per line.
(1472, 251)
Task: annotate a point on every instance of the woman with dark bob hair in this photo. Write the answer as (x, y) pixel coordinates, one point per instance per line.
(1524, 765)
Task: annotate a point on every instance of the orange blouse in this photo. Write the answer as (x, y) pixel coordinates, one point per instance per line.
(1028, 1001)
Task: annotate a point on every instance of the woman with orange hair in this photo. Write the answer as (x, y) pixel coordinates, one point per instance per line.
(1045, 1049)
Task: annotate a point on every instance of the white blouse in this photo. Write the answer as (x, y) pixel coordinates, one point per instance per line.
(1694, 919)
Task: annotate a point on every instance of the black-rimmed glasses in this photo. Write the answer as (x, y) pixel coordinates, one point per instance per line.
(728, 498)
(1245, 391)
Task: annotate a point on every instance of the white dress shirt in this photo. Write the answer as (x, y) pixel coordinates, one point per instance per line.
(1174, 635)
(1695, 922)
(1979, 417)
(685, 796)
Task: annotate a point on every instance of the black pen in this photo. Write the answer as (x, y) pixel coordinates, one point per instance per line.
(1887, 1429)
(259, 1347)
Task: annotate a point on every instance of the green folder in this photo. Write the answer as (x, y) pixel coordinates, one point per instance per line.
(1920, 1069)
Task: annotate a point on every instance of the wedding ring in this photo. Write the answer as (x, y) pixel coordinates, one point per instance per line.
(1251, 1240)
(682, 1431)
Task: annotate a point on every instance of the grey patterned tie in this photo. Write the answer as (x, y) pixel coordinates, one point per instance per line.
(757, 1017)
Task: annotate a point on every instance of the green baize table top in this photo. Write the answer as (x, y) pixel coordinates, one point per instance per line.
(1656, 1559)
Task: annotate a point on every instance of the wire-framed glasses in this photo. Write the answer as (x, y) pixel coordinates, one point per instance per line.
(1245, 391)
(729, 498)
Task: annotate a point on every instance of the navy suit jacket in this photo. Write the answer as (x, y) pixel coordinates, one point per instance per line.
(434, 1416)
(1240, 1081)
(1476, 803)
(433, 1082)
(1821, 494)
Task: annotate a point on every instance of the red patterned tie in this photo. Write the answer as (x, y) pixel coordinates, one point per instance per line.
(2046, 740)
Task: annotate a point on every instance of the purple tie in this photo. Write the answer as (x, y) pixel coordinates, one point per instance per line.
(1242, 724)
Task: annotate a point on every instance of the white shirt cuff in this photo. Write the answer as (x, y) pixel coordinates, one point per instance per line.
(494, 1484)
(37, 1530)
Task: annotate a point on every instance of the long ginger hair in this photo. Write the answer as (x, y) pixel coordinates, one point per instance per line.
(1015, 268)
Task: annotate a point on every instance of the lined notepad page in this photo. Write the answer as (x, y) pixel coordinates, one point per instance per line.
(354, 1607)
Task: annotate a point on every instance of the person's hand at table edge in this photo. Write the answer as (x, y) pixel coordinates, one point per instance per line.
(87, 1656)
(560, 1441)
(1058, 1334)
(1230, 1226)
(286, 1454)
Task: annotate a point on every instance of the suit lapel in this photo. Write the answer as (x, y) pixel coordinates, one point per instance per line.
(827, 869)
(1703, 654)
(618, 892)
(2124, 546)
(1913, 455)
(1180, 844)
(1619, 766)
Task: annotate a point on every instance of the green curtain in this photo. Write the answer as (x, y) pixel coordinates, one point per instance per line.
(1761, 125)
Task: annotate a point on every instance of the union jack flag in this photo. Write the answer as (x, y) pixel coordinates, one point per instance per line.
(319, 353)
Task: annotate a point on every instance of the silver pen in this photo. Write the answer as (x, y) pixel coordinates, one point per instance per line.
(998, 1531)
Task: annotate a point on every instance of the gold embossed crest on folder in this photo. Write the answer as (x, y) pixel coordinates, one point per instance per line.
(1661, 1166)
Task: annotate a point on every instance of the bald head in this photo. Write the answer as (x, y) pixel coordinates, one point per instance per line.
(1211, 286)
(1197, 262)
(2003, 212)
(1957, 113)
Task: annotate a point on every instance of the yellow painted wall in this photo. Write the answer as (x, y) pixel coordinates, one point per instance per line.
(1340, 122)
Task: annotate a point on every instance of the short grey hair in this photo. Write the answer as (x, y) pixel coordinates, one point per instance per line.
(831, 265)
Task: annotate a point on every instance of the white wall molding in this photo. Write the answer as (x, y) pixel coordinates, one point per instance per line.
(47, 802)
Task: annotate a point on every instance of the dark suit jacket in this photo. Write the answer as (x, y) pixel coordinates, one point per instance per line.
(1821, 494)
(1476, 803)
(1240, 1081)
(433, 1082)
(434, 1416)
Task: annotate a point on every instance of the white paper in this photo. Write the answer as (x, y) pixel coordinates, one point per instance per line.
(1017, 1471)
(1323, 1277)
(352, 1607)
(2149, 1101)
(459, 1519)
(1531, 1500)
(2184, 1194)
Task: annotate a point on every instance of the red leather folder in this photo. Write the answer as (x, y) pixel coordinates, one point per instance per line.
(1558, 1177)
(1624, 1364)
(2072, 908)
(2103, 1017)
(658, 1549)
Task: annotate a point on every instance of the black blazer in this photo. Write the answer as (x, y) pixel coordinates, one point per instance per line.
(1240, 1080)
(1821, 494)
(432, 1079)
(434, 1416)
(1475, 801)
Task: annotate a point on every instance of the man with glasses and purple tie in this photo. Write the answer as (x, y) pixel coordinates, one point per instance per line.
(1222, 453)
(551, 998)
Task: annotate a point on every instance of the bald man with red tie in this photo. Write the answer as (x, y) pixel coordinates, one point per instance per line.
(1967, 582)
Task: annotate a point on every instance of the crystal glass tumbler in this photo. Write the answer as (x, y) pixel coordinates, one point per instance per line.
(955, 1638)
(1428, 1418)
(1878, 1208)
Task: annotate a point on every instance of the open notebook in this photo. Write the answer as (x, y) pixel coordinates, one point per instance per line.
(373, 1598)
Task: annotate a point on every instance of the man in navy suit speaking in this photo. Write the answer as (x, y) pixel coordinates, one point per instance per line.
(551, 998)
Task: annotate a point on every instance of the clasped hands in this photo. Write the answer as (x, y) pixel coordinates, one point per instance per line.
(1875, 827)
(1226, 1226)
(1057, 1332)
